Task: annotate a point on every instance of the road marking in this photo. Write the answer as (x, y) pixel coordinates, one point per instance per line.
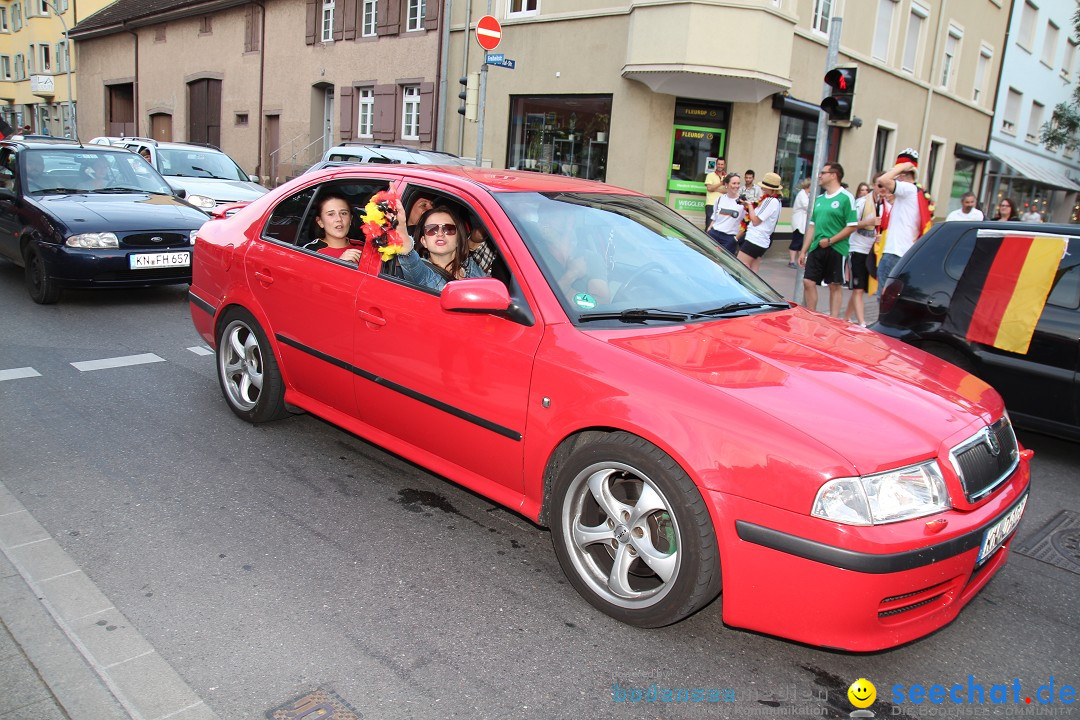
(201, 350)
(19, 373)
(116, 362)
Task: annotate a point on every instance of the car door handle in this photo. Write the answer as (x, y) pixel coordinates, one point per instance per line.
(264, 277)
(372, 317)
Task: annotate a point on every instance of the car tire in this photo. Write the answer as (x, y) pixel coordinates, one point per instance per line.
(247, 369)
(41, 286)
(650, 523)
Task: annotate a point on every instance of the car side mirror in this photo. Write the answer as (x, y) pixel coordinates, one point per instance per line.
(253, 178)
(180, 193)
(476, 295)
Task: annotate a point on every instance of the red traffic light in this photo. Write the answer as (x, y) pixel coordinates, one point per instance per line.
(842, 81)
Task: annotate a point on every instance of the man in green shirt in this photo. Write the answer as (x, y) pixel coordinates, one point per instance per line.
(825, 245)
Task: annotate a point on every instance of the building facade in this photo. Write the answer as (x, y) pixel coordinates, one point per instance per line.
(645, 94)
(34, 63)
(1039, 71)
(273, 83)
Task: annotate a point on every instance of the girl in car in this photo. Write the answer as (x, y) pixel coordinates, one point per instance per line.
(441, 239)
(334, 219)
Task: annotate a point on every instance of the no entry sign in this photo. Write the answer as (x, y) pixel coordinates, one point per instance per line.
(488, 32)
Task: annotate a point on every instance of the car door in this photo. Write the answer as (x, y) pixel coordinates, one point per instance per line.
(1043, 383)
(10, 217)
(454, 384)
(308, 298)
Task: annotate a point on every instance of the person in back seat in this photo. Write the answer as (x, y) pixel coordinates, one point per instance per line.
(334, 220)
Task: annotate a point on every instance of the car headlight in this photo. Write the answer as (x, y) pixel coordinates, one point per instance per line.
(201, 201)
(191, 236)
(93, 240)
(886, 497)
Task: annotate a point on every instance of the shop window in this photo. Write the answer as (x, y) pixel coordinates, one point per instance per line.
(560, 134)
(795, 143)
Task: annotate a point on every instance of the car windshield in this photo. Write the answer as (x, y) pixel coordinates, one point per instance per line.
(624, 258)
(187, 162)
(85, 170)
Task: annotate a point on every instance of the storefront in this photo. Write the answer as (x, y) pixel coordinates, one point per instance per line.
(968, 161)
(1031, 186)
(560, 134)
(698, 138)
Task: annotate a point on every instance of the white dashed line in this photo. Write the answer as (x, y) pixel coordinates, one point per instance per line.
(201, 350)
(116, 362)
(19, 373)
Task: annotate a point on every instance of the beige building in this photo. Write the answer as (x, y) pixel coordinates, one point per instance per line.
(34, 62)
(273, 83)
(644, 94)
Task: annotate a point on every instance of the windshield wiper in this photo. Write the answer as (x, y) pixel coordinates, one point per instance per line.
(58, 191)
(120, 190)
(637, 315)
(741, 305)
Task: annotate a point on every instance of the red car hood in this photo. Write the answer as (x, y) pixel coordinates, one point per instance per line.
(873, 400)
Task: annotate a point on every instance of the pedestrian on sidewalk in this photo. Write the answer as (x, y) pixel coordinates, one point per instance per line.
(860, 244)
(825, 247)
(728, 215)
(911, 215)
(714, 187)
(799, 209)
(762, 218)
(751, 190)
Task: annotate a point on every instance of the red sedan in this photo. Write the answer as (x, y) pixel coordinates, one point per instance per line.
(611, 374)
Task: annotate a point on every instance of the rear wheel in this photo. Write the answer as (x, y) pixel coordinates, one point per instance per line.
(247, 369)
(41, 286)
(632, 532)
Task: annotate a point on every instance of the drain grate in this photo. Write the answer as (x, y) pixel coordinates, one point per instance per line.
(1057, 543)
(323, 704)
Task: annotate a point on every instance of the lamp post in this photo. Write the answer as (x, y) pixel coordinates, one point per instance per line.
(67, 64)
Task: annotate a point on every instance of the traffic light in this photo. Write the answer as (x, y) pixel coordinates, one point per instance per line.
(469, 88)
(838, 104)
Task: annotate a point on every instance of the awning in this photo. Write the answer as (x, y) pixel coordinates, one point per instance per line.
(1034, 172)
(707, 82)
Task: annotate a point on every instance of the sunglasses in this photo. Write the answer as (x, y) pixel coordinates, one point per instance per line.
(447, 229)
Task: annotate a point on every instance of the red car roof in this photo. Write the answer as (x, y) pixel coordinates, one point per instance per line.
(494, 180)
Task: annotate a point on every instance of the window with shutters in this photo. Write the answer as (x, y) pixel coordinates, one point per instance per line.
(415, 19)
(3, 20)
(369, 24)
(410, 112)
(328, 21)
(365, 112)
(30, 56)
(20, 67)
(5, 67)
(62, 61)
(45, 58)
(16, 17)
(252, 28)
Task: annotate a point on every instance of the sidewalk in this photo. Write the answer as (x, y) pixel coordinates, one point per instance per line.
(65, 651)
(775, 271)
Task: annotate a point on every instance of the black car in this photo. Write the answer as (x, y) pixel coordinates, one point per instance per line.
(91, 216)
(920, 306)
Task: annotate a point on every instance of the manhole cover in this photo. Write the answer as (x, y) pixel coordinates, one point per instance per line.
(1057, 543)
(323, 704)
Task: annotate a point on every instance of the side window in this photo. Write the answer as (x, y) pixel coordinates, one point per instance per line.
(7, 169)
(1066, 290)
(284, 222)
(958, 256)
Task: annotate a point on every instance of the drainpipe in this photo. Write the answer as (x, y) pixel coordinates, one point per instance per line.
(444, 58)
(464, 73)
(135, 85)
(262, 76)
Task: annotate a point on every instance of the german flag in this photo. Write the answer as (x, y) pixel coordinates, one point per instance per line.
(6, 130)
(1003, 289)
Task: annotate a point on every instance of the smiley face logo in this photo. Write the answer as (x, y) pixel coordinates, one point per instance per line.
(862, 693)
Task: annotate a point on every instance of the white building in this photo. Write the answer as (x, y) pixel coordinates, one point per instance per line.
(1037, 73)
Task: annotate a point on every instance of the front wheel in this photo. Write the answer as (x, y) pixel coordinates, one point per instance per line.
(41, 286)
(632, 532)
(247, 370)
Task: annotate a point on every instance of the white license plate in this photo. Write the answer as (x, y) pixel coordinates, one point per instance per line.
(1000, 531)
(158, 260)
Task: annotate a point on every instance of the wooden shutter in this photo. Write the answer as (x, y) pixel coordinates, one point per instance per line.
(385, 113)
(339, 22)
(389, 17)
(312, 21)
(350, 14)
(431, 14)
(347, 105)
(427, 107)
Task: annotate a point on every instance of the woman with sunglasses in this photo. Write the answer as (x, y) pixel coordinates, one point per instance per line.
(440, 237)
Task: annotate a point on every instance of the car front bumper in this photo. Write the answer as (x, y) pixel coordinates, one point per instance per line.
(83, 268)
(855, 588)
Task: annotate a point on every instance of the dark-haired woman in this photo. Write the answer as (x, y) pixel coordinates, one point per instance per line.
(1007, 210)
(334, 220)
(440, 237)
(728, 214)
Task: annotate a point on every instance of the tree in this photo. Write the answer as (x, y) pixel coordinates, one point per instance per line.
(1063, 129)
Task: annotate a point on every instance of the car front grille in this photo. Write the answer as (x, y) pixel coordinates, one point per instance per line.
(155, 240)
(986, 459)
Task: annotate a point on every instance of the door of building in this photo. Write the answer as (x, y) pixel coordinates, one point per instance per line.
(121, 110)
(328, 119)
(161, 127)
(272, 145)
(204, 111)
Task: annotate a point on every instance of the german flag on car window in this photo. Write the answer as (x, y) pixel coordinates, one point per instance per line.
(1003, 289)
(6, 130)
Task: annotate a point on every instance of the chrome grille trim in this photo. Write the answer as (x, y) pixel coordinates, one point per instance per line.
(980, 469)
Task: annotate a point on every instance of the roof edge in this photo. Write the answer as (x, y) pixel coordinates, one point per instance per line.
(193, 10)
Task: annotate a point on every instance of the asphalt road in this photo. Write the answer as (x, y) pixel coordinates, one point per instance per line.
(265, 563)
